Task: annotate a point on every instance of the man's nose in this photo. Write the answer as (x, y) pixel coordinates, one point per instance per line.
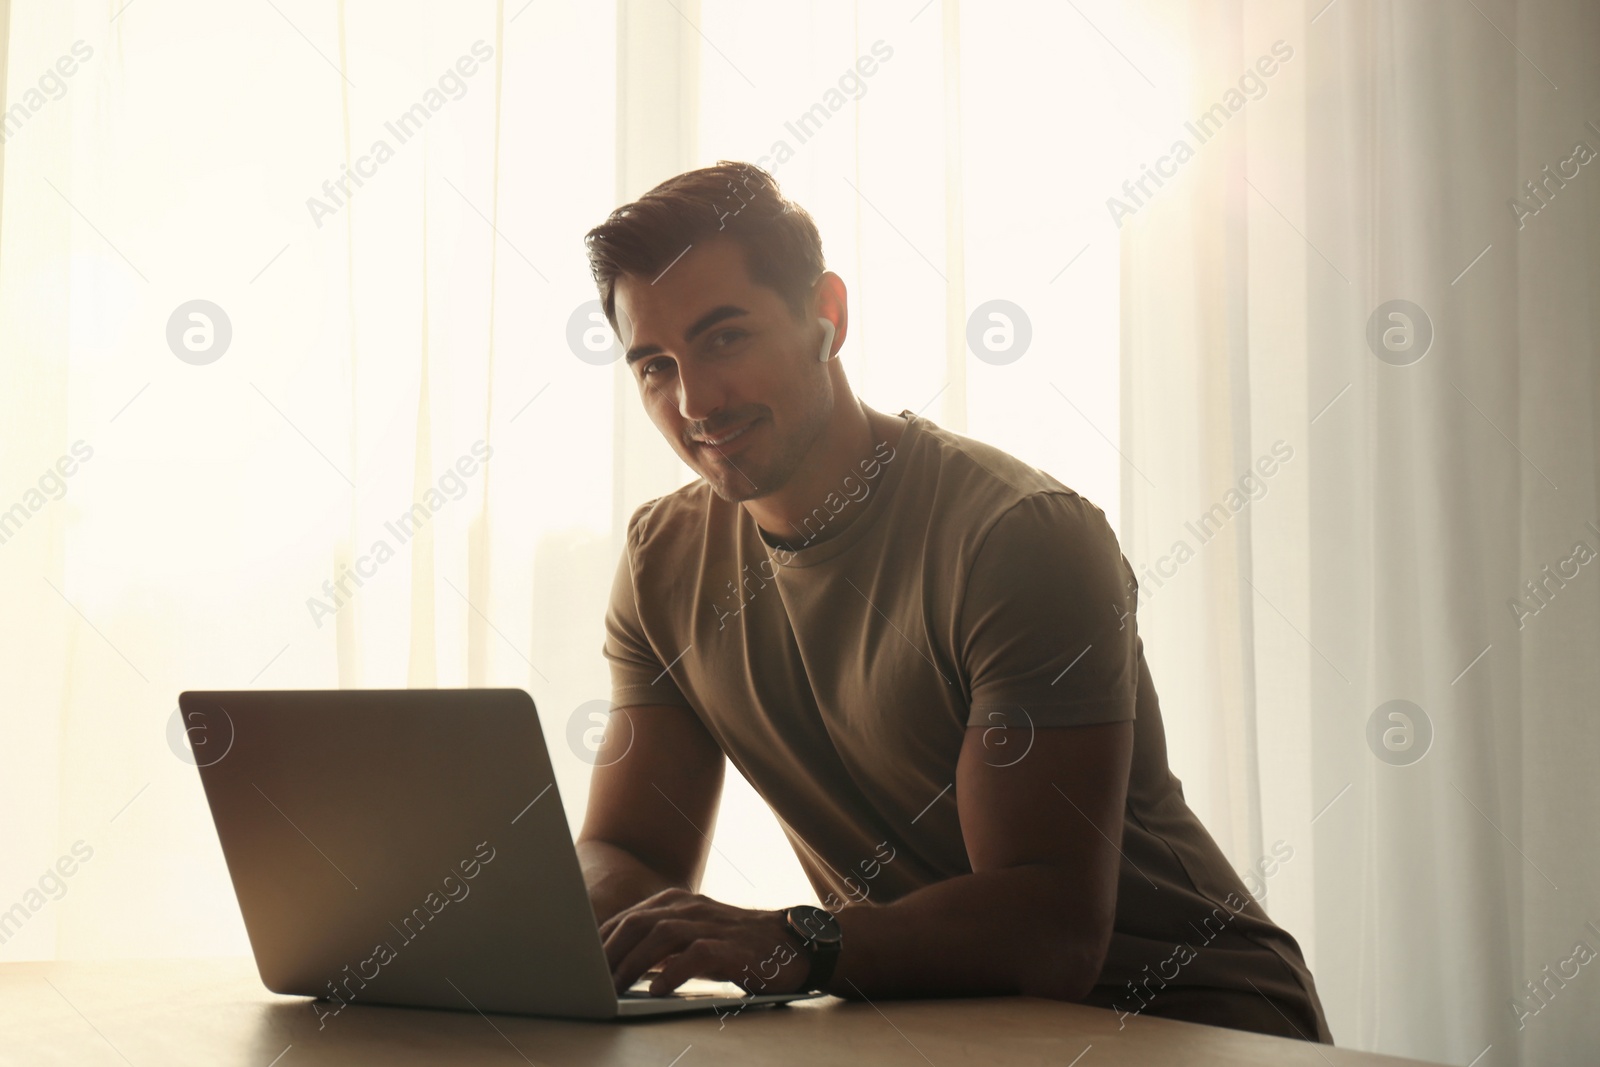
(700, 392)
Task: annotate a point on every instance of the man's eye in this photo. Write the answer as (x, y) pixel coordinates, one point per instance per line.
(646, 369)
(723, 338)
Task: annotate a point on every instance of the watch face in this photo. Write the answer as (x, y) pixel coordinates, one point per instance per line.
(816, 924)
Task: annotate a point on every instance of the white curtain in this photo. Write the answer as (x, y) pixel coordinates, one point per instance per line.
(387, 333)
(394, 473)
(1441, 859)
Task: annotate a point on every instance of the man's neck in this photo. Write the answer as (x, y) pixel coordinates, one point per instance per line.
(781, 515)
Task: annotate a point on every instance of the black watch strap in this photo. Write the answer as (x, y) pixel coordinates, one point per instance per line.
(823, 960)
(818, 932)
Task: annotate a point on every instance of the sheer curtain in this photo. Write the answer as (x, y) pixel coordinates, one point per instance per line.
(1425, 541)
(389, 449)
(307, 283)
(367, 457)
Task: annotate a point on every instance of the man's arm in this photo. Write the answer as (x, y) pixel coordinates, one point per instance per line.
(1035, 915)
(652, 807)
(1043, 833)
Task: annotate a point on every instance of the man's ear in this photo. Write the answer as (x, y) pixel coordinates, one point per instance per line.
(830, 304)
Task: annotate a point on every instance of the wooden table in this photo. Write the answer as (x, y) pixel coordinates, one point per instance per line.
(215, 1012)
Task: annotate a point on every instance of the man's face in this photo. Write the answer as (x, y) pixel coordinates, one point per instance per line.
(725, 371)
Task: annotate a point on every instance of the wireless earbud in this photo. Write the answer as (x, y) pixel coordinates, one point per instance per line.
(828, 331)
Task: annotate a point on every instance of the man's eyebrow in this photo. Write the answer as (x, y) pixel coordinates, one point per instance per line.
(700, 325)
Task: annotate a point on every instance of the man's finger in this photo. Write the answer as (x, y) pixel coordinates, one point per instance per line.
(704, 958)
(665, 938)
(631, 930)
(657, 901)
(608, 928)
(611, 924)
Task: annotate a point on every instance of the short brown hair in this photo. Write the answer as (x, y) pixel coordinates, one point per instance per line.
(782, 249)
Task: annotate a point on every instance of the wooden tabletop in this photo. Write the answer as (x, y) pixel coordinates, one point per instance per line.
(215, 1012)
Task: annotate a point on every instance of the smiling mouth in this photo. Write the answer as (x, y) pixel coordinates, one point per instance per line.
(727, 438)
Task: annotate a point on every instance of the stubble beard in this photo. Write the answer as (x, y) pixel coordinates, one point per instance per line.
(727, 481)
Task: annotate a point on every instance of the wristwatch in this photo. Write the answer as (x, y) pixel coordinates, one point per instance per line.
(817, 930)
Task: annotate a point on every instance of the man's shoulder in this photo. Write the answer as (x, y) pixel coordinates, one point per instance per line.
(664, 519)
(991, 483)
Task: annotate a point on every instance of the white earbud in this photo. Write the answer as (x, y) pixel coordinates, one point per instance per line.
(828, 330)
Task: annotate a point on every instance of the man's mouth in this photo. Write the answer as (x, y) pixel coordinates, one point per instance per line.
(727, 437)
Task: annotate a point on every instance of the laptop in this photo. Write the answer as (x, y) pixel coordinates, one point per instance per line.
(409, 847)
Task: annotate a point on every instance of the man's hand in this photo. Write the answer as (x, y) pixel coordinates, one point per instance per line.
(693, 936)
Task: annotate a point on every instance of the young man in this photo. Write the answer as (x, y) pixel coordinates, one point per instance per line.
(919, 650)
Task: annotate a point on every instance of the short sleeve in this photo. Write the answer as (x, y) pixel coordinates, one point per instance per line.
(1047, 623)
(637, 674)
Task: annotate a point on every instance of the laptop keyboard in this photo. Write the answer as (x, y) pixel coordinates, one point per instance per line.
(693, 989)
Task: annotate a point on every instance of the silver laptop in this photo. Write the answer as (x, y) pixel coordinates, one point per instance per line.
(409, 846)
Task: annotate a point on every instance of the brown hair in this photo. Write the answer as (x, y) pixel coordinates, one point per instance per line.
(740, 201)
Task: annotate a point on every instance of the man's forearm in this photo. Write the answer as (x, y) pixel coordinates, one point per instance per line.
(1018, 930)
(616, 878)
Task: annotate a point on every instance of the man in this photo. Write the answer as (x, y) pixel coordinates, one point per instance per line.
(919, 650)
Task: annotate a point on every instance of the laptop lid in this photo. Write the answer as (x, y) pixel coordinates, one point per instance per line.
(402, 846)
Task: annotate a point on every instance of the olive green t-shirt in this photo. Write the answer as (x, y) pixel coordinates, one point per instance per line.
(841, 673)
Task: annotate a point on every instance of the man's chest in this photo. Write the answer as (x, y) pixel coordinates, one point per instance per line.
(864, 659)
